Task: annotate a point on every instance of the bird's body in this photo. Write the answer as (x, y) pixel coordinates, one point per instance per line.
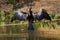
(30, 17)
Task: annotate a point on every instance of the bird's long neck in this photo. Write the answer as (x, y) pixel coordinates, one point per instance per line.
(30, 11)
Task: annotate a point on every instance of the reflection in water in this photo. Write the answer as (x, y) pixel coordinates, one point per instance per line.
(30, 31)
(30, 26)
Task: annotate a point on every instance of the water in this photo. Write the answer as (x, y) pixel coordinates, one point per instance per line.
(19, 38)
(12, 38)
(30, 27)
(30, 31)
(22, 33)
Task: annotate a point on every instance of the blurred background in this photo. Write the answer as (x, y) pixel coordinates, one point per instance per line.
(42, 29)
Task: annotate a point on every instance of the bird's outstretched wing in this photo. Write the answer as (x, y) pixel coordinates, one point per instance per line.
(42, 14)
(19, 16)
(46, 15)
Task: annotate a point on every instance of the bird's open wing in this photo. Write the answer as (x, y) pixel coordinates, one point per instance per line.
(41, 15)
(46, 15)
(19, 16)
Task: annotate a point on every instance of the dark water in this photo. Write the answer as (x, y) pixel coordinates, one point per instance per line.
(12, 38)
(21, 38)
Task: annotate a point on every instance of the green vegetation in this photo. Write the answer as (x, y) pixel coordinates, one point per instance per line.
(5, 18)
(45, 24)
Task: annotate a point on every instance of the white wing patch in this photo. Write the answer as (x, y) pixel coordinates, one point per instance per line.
(19, 12)
(40, 12)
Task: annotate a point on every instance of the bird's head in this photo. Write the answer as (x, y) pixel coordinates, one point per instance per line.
(29, 9)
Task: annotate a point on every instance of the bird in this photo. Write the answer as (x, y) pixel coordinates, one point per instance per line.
(31, 16)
